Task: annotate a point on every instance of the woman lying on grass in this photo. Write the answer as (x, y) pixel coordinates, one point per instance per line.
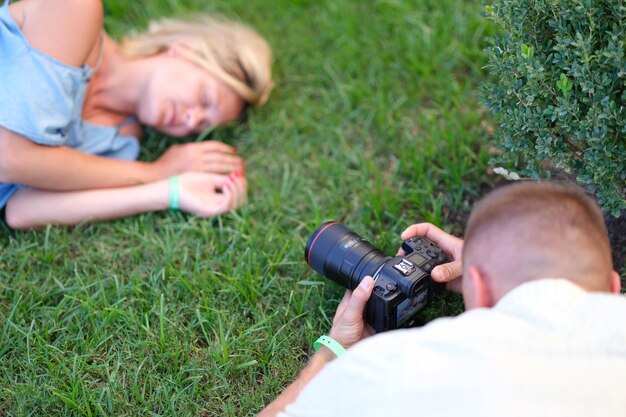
(72, 103)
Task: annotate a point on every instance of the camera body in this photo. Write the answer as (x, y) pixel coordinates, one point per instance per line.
(403, 285)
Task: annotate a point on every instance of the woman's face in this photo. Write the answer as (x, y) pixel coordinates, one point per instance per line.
(181, 98)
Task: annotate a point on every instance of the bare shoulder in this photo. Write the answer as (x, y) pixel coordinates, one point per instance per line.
(66, 30)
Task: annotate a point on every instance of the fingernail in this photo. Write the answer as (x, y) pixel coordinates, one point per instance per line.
(367, 283)
(437, 274)
(238, 174)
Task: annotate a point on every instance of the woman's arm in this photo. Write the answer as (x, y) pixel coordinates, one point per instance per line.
(61, 168)
(203, 194)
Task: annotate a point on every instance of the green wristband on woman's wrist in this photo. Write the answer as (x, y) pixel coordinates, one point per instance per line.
(175, 193)
(331, 344)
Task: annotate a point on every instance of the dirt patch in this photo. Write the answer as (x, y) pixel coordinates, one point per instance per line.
(617, 237)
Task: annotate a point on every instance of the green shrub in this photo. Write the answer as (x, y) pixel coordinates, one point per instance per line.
(558, 91)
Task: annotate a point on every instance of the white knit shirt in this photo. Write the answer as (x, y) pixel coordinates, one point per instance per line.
(548, 348)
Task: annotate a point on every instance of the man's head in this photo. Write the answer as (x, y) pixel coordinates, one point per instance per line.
(529, 231)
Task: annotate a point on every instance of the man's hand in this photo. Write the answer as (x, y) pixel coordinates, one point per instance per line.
(348, 328)
(450, 272)
(211, 156)
(349, 325)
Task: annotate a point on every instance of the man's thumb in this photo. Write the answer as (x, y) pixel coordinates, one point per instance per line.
(363, 292)
(447, 272)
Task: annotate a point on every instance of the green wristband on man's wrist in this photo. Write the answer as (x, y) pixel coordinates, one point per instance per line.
(331, 344)
(175, 193)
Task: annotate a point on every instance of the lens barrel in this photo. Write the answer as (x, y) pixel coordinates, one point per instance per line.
(341, 255)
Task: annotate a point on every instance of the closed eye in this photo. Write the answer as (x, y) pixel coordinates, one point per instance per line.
(204, 100)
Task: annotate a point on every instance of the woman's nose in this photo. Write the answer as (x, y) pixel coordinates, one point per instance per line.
(194, 117)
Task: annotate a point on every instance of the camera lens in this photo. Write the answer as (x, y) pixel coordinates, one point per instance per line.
(341, 255)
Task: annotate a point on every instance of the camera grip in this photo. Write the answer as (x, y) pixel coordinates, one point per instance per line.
(377, 312)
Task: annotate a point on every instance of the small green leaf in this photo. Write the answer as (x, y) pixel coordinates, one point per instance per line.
(528, 51)
(564, 84)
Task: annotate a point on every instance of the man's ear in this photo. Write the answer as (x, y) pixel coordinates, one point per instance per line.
(616, 283)
(477, 294)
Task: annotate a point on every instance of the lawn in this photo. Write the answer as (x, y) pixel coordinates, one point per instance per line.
(375, 121)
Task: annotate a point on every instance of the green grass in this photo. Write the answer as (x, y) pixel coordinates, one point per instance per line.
(375, 121)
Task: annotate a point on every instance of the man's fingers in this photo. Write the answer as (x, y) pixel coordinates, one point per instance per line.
(360, 295)
(343, 304)
(428, 230)
(447, 272)
(449, 243)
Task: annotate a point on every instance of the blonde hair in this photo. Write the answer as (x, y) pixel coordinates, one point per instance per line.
(230, 51)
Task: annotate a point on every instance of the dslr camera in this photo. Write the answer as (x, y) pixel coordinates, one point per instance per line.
(403, 284)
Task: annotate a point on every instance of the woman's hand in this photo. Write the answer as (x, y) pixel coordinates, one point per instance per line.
(209, 156)
(207, 195)
(349, 326)
(450, 272)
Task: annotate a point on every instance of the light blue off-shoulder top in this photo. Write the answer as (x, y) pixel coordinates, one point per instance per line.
(42, 98)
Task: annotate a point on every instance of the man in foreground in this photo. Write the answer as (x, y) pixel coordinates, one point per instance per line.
(542, 335)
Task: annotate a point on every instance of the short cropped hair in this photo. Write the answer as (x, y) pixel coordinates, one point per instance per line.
(230, 51)
(534, 230)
